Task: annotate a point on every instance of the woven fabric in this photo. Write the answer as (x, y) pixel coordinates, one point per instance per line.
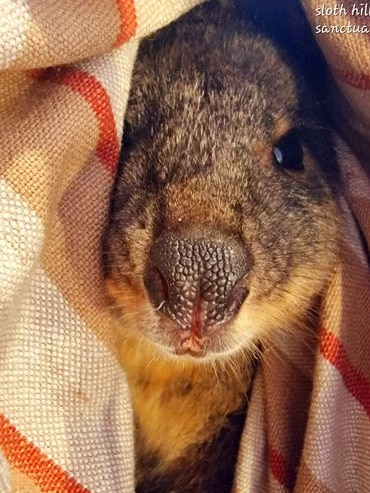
(65, 415)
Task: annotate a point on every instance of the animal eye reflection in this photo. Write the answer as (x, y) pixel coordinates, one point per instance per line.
(288, 152)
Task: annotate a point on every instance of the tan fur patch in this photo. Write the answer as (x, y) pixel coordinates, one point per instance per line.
(282, 126)
(177, 404)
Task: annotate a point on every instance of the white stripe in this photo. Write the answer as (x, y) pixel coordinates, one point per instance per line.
(338, 436)
(14, 21)
(152, 15)
(252, 467)
(4, 476)
(64, 391)
(21, 236)
(351, 237)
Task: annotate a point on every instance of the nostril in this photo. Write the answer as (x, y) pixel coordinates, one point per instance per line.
(195, 276)
(156, 286)
(237, 298)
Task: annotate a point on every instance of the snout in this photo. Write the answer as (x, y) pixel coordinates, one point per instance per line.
(196, 280)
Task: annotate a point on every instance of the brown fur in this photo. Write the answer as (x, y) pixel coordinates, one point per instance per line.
(207, 106)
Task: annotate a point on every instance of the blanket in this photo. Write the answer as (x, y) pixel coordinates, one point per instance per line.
(65, 416)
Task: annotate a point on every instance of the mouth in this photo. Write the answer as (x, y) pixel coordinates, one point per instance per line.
(192, 345)
(198, 341)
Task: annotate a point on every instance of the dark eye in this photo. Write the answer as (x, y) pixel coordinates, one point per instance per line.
(288, 152)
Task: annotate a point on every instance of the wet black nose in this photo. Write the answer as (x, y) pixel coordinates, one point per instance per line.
(195, 279)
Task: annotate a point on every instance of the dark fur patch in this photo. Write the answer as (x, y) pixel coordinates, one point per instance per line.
(205, 467)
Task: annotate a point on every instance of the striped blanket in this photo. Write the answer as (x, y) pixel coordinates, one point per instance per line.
(65, 415)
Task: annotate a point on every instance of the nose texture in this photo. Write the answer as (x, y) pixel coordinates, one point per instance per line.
(194, 279)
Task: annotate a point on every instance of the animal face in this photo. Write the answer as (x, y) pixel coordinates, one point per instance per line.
(224, 224)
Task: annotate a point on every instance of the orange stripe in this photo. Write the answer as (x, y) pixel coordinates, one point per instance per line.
(333, 351)
(47, 475)
(355, 79)
(128, 21)
(93, 92)
(280, 469)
